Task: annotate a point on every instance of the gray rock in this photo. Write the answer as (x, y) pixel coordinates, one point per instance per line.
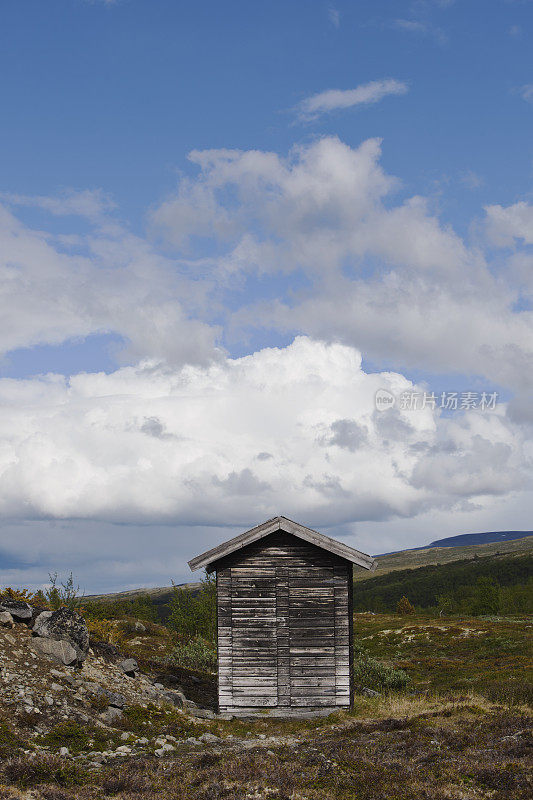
(57, 673)
(370, 692)
(113, 698)
(59, 651)
(201, 713)
(176, 698)
(63, 751)
(208, 738)
(17, 608)
(6, 620)
(140, 628)
(111, 715)
(129, 667)
(65, 625)
(40, 620)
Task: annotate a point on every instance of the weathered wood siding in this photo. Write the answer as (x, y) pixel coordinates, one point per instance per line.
(284, 627)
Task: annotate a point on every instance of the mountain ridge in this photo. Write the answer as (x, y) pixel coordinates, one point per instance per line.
(465, 540)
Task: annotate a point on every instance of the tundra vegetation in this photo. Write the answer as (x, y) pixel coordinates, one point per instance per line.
(442, 709)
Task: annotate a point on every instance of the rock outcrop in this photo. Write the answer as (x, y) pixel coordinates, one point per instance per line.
(60, 650)
(6, 620)
(18, 609)
(129, 667)
(66, 627)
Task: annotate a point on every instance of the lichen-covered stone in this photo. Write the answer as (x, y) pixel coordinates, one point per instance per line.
(17, 608)
(65, 625)
(129, 666)
(6, 620)
(61, 650)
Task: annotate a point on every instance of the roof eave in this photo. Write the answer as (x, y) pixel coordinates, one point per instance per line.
(307, 534)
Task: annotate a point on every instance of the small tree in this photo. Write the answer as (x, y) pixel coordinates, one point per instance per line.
(61, 594)
(445, 604)
(486, 597)
(404, 606)
(194, 614)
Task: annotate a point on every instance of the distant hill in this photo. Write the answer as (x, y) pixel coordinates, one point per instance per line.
(465, 539)
(455, 580)
(159, 595)
(443, 554)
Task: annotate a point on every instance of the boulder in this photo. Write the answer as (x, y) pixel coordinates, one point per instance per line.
(129, 667)
(113, 698)
(6, 620)
(111, 715)
(60, 651)
(39, 621)
(140, 628)
(209, 738)
(176, 698)
(18, 609)
(201, 713)
(65, 625)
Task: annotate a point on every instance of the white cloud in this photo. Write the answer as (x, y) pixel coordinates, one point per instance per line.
(421, 28)
(387, 277)
(92, 204)
(160, 445)
(55, 288)
(335, 99)
(506, 224)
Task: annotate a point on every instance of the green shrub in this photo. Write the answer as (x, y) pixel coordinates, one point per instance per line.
(8, 740)
(151, 719)
(194, 614)
(403, 606)
(75, 737)
(195, 654)
(372, 674)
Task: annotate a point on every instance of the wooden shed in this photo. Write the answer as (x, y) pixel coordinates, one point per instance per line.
(284, 618)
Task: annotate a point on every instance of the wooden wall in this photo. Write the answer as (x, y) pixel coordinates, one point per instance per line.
(284, 627)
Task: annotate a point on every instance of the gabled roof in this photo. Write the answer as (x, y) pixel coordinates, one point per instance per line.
(287, 525)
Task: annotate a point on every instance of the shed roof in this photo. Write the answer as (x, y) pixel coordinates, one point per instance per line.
(287, 525)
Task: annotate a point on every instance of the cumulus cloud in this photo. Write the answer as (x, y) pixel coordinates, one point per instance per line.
(289, 430)
(506, 224)
(336, 99)
(55, 288)
(187, 436)
(384, 275)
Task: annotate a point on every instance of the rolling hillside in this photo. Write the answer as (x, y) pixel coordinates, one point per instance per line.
(411, 559)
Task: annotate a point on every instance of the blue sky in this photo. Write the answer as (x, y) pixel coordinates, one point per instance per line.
(200, 201)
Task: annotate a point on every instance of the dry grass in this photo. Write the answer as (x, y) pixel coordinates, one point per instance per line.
(398, 748)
